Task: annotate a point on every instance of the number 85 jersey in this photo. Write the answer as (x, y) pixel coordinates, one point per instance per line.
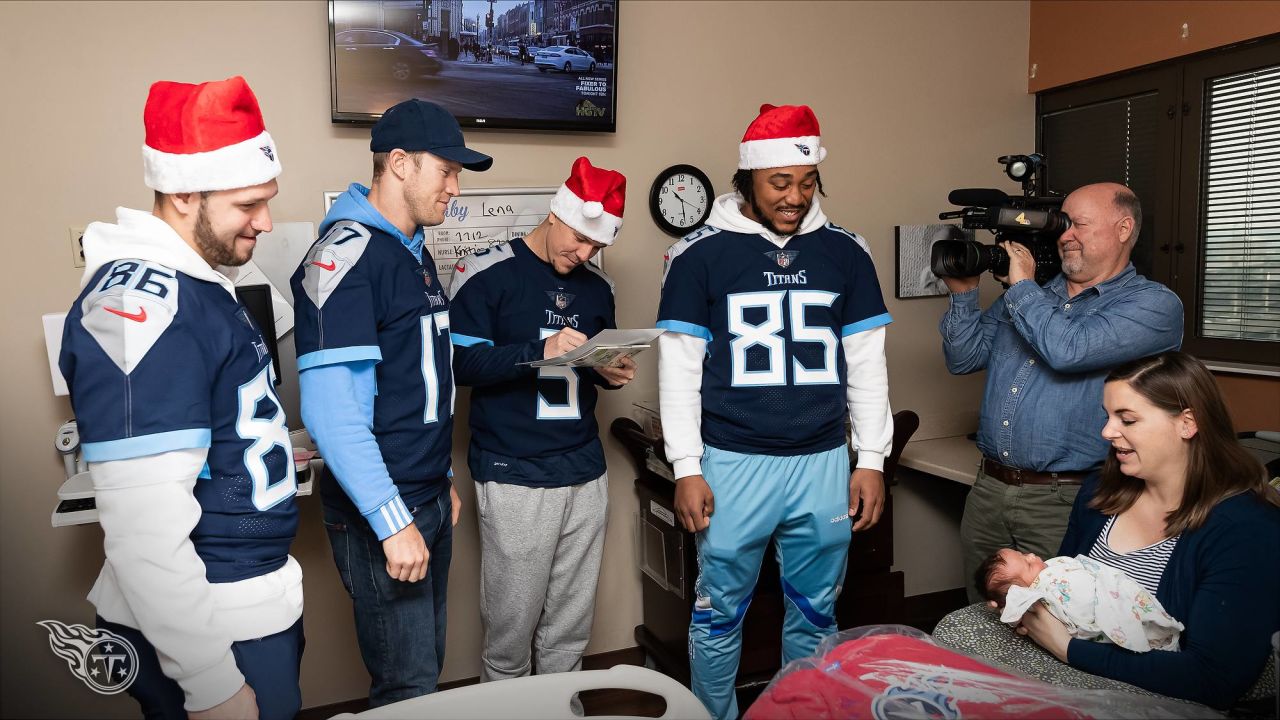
(159, 361)
(774, 376)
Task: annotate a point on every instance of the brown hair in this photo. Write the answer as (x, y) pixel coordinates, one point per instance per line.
(159, 196)
(380, 161)
(1128, 205)
(1218, 466)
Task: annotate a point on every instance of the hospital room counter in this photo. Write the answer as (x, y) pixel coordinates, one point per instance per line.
(953, 458)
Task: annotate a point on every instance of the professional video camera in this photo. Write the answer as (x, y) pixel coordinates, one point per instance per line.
(1036, 222)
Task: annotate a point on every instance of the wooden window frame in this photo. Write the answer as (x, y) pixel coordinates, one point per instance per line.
(1176, 206)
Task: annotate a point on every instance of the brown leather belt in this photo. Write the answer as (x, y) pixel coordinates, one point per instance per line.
(1014, 476)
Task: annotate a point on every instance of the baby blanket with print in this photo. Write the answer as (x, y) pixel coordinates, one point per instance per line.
(1097, 602)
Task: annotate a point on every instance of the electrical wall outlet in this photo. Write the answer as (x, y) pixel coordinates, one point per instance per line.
(77, 246)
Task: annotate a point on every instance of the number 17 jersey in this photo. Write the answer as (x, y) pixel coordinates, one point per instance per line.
(360, 295)
(774, 376)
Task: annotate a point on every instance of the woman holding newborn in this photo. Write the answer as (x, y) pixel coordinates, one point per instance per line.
(1184, 508)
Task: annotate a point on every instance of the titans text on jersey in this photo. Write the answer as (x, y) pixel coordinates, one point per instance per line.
(530, 426)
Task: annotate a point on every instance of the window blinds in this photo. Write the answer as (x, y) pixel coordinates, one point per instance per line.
(1240, 228)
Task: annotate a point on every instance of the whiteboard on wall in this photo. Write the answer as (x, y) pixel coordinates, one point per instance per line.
(480, 218)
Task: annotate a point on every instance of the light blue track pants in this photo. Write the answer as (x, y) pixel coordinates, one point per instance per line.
(800, 501)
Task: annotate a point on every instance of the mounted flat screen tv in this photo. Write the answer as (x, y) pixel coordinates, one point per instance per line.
(531, 64)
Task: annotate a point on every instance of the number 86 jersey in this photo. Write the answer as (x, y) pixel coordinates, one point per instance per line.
(158, 361)
(774, 318)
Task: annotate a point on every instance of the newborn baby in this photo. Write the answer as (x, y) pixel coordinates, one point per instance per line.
(1094, 601)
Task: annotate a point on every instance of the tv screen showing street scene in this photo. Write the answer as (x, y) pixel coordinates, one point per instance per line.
(525, 64)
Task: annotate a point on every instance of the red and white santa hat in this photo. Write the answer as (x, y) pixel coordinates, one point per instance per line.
(781, 137)
(206, 137)
(591, 201)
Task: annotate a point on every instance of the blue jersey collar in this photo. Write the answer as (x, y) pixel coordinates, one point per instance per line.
(354, 205)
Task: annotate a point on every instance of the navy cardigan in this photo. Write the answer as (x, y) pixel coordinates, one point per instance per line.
(1222, 582)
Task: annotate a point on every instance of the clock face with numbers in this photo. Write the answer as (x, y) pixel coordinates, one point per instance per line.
(680, 199)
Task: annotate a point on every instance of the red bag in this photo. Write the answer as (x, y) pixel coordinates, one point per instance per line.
(894, 675)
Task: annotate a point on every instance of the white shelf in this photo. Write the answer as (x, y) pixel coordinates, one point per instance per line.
(953, 458)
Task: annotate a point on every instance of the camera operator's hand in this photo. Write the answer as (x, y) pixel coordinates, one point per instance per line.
(960, 285)
(1022, 264)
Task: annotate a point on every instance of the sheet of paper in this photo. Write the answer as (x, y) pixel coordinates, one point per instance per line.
(275, 258)
(250, 274)
(279, 252)
(606, 348)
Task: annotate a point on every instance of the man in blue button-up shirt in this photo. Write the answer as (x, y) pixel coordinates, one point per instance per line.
(1047, 351)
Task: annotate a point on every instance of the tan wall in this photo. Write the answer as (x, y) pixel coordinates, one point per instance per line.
(914, 99)
(1073, 40)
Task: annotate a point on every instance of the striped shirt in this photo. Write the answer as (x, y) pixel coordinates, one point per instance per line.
(1145, 565)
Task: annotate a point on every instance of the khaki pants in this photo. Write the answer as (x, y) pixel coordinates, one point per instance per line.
(1028, 518)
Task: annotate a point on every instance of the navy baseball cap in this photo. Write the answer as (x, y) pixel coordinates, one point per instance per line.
(421, 126)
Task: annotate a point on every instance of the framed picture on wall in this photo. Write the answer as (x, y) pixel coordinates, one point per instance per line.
(913, 278)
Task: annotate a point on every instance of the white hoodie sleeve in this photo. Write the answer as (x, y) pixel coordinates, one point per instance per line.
(680, 400)
(147, 510)
(868, 397)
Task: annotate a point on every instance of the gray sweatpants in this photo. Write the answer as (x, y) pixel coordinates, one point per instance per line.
(540, 552)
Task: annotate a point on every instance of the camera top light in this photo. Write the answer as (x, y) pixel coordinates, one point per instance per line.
(1022, 168)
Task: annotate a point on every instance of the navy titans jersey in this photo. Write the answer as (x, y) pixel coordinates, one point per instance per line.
(773, 378)
(529, 426)
(159, 361)
(361, 295)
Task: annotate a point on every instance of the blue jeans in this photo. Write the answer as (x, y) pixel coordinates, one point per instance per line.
(400, 626)
(269, 665)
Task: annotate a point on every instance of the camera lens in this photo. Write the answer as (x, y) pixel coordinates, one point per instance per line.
(958, 258)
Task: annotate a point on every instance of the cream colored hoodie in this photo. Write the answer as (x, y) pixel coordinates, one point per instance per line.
(152, 579)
